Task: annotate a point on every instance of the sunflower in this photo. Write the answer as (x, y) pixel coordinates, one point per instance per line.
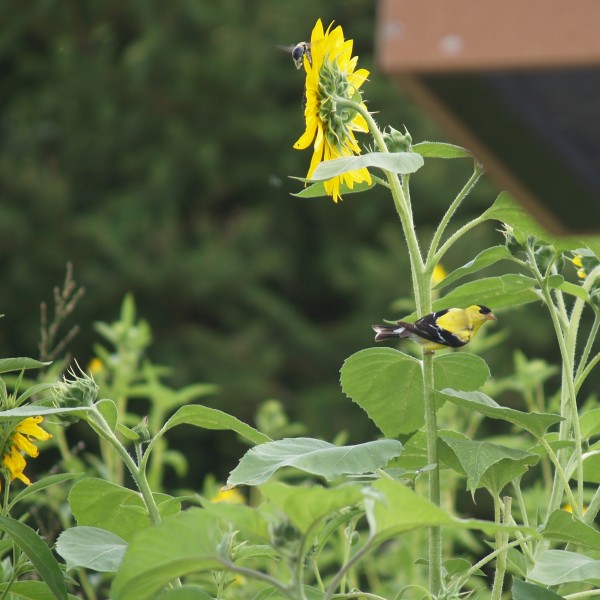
(21, 440)
(331, 78)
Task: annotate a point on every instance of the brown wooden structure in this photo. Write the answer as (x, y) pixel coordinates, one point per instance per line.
(515, 81)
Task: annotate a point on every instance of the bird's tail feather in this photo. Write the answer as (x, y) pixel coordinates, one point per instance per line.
(387, 332)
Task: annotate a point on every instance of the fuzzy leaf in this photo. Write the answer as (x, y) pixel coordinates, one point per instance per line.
(395, 162)
(487, 464)
(211, 418)
(440, 150)
(567, 528)
(486, 258)
(523, 590)
(98, 503)
(535, 423)
(554, 567)
(388, 385)
(312, 456)
(18, 364)
(506, 210)
(91, 548)
(181, 544)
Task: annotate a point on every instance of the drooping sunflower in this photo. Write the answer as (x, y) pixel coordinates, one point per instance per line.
(21, 441)
(331, 77)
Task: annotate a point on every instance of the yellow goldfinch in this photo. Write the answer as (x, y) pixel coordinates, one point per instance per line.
(453, 327)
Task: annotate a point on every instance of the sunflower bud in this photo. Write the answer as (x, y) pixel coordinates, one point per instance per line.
(396, 141)
(515, 241)
(77, 392)
(143, 431)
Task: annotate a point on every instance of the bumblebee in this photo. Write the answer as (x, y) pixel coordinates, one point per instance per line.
(299, 51)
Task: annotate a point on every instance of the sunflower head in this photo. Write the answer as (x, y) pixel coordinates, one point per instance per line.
(331, 81)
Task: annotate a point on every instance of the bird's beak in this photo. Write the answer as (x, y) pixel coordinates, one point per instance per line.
(491, 317)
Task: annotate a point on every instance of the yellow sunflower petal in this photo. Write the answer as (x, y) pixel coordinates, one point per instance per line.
(23, 443)
(31, 428)
(15, 463)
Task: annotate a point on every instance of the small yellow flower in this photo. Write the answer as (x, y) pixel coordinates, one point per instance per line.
(21, 440)
(229, 496)
(439, 273)
(568, 508)
(330, 78)
(576, 260)
(96, 366)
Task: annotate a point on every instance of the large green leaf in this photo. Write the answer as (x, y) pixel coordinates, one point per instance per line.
(591, 468)
(506, 210)
(91, 548)
(32, 545)
(211, 418)
(395, 162)
(523, 590)
(554, 567)
(460, 369)
(487, 464)
(312, 456)
(30, 590)
(306, 505)
(32, 410)
(183, 543)
(100, 503)
(535, 423)
(440, 150)
(388, 385)
(566, 527)
(496, 292)
(486, 258)
(589, 423)
(18, 364)
(400, 509)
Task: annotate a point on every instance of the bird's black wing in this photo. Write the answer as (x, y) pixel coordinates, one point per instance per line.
(428, 328)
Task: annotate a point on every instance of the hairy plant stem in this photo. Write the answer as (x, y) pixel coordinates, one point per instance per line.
(421, 279)
(450, 212)
(566, 334)
(502, 516)
(99, 424)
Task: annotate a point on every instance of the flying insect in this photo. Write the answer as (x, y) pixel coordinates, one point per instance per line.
(298, 51)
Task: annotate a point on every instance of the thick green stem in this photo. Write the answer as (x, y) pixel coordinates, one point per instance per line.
(421, 279)
(501, 541)
(435, 533)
